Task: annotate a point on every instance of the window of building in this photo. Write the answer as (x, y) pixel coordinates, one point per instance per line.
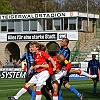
(72, 23)
(56, 23)
(65, 23)
(25, 25)
(33, 25)
(80, 26)
(11, 26)
(3, 26)
(18, 26)
(49, 24)
(44, 24)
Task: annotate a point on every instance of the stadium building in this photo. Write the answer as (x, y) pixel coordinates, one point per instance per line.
(17, 30)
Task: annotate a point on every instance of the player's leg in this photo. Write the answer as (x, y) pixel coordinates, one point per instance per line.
(24, 89)
(31, 90)
(47, 89)
(95, 85)
(20, 92)
(58, 77)
(42, 77)
(80, 72)
(60, 91)
(55, 90)
(72, 89)
(27, 78)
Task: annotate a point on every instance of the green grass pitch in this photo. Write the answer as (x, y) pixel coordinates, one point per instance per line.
(12, 86)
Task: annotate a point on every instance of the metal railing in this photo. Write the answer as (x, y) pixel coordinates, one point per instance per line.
(75, 53)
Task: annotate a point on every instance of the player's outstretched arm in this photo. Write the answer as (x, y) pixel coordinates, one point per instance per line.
(53, 63)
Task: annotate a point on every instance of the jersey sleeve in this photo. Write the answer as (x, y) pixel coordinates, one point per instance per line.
(45, 55)
(23, 57)
(50, 69)
(67, 54)
(31, 59)
(68, 65)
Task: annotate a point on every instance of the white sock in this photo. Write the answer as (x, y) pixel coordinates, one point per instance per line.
(55, 97)
(38, 97)
(85, 74)
(21, 92)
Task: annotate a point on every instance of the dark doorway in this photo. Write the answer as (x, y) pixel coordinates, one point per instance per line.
(14, 51)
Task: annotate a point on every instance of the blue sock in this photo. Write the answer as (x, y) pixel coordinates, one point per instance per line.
(33, 95)
(94, 88)
(47, 96)
(29, 91)
(60, 95)
(74, 91)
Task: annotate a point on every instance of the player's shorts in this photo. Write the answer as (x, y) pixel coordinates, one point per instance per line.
(97, 78)
(65, 78)
(40, 78)
(58, 76)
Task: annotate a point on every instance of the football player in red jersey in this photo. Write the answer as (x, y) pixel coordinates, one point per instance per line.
(62, 71)
(42, 73)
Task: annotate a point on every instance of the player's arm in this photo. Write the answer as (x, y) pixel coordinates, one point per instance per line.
(18, 62)
(38, 66)
(88, 67)
(21, 59)
(53, 63)
(31, 69)
(68, 65)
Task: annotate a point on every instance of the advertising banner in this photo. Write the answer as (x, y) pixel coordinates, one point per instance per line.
(12, 73)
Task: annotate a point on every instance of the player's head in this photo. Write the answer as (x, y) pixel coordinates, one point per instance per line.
(93, 56)
(42, 47)
(64, 42)
(60, 58)
(35, 46)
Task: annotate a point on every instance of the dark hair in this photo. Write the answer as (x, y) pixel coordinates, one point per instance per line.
(42, 47)
(93, 56)
(66, 39)
(35, 43)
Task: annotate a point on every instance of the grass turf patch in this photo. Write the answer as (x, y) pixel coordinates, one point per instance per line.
(85, 87)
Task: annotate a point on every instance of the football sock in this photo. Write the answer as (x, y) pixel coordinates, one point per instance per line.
(94, 88)
(85, 74)
(38, 95)
(33, 95)
(21, 92)
(55, 96)
(71, 88)
(29, 91)
(60, 95)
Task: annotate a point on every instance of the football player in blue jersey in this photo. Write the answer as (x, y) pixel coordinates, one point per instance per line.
(93, 66)
(66, 52)
(28, 56)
